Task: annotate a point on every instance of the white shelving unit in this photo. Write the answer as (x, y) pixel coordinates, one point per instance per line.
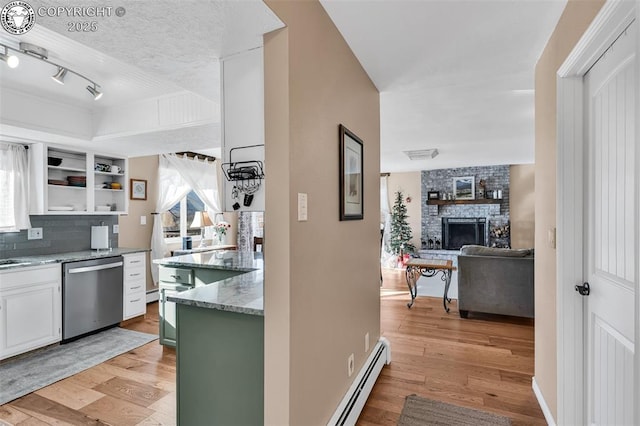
(57, 182)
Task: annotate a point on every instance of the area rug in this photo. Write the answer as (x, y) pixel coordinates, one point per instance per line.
(419, 411)
(34, 371)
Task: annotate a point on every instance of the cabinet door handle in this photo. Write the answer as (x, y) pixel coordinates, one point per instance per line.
(134, 261)
(134, 275)
(135, 300)
(133, 288)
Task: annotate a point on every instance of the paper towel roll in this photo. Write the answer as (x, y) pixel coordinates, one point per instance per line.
(99, 237)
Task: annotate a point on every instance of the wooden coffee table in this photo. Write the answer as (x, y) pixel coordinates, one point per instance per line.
(417, 267)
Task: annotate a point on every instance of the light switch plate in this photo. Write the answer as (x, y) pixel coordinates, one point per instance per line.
(116, 229)
(143, 220)
(302, 207)
(551, 237)
(34, 234)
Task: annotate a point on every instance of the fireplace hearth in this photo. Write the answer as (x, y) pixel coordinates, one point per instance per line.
(458, 231)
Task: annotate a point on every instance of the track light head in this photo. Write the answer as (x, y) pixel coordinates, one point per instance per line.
(95, 92)
(11, 60)
(59, 76)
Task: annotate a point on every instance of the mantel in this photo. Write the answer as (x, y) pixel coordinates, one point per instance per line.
(448, 202)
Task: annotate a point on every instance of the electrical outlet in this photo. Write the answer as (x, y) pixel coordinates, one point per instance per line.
(351, 364)
(366, 343)
(116, 229)
(34, 234)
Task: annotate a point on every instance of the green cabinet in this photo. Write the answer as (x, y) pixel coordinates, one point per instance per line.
(174, 280)
(220, 367)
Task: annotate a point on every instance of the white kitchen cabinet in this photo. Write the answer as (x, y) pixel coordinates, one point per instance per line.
(30, 308)
(66, 181)
(134, 285)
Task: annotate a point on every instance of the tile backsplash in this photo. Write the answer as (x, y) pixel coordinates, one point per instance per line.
(59, 234)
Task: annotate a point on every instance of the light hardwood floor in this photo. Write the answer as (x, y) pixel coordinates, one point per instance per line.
(482, 362)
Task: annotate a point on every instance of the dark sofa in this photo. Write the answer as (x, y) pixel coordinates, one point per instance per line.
(495, 281)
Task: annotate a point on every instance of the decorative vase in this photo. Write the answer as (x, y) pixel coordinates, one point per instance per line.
(220, 239)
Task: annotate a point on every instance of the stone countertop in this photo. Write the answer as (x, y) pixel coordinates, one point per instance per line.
(44, 259)
(241, 294)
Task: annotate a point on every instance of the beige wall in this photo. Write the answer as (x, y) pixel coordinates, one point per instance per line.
(410, 184)
(522, 205)
(576, 17)
(321, 276)
(132, 234)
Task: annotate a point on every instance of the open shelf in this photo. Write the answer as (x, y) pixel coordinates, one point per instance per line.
(67, 169)
(108, 173)
(66, 186)
(449, 202)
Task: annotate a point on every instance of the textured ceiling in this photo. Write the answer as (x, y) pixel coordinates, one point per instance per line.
(155, 48)
(180, 41)
(453, 75)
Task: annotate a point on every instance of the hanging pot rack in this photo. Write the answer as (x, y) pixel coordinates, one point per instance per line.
(247, 175)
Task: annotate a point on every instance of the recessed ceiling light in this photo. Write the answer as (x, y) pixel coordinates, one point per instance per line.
(421, 154)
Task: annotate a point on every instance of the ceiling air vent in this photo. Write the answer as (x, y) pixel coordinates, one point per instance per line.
(422, 154)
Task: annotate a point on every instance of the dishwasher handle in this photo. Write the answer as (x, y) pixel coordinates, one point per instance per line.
(95, 268)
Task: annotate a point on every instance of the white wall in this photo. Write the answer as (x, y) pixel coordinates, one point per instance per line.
(243, 118)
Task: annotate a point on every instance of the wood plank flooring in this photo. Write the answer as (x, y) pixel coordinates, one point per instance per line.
(135, 388)
(482, 362)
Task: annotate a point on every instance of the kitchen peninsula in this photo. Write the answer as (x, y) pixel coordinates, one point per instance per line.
(219, 339)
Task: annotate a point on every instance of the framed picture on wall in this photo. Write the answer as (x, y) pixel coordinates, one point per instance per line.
(138, 189)
(351, 179)
(433, 195)
(464, 188)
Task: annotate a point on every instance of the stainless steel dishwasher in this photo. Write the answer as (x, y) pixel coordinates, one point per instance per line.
(91, 296)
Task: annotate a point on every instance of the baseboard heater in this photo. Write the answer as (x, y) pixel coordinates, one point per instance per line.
(353, 402)
(152, 296)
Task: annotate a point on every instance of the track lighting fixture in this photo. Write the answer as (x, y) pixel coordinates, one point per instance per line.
(11, 60)
(42, 54)
(59, 76)
(95, 92)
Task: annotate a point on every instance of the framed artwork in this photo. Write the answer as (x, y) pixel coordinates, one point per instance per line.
(464, 188)
(138, 189)
(351, 179)
(433, 195)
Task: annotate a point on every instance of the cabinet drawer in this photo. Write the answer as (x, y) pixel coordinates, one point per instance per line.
(134, 274)
(176, 275)
(134, 260)
(29, 276)
(134, 287)
(135, 305)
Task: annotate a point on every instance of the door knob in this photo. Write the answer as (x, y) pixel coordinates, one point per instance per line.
(583, 289)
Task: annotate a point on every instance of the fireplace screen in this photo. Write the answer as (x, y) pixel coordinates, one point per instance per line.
(458, 231)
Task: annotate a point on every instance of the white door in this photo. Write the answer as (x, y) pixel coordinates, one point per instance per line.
(610, 250)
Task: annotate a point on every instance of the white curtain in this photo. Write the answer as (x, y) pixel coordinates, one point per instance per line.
(177, 176)
(387, 259)
(201, 176)
(14, 181)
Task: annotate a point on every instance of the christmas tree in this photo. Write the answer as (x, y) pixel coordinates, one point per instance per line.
(399, 241)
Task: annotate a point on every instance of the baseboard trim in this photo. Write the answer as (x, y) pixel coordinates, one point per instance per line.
(152, 296)
(543, 404)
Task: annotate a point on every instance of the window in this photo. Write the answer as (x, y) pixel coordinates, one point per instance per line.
(176, 222)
